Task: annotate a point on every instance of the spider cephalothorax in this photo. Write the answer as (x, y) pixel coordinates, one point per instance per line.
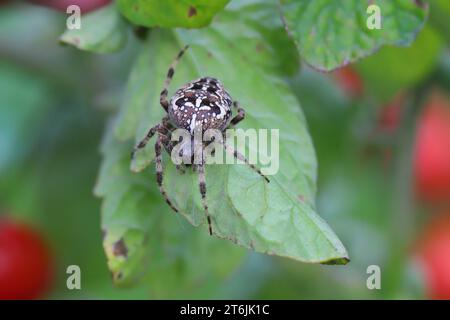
(203, 103)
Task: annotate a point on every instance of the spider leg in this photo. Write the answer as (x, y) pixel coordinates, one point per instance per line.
(202, 185)
(144, 141)
(169, 145)
(159, 173)
(240, 116)
(170, 73)
(241, 157)
(164, 125)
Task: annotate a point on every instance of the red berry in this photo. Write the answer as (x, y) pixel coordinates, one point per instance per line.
(433, 254)
(432, 151)
(61, 5)
(349, 81)
(25, 263)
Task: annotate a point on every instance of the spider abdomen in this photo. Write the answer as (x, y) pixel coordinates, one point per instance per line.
(203, 102)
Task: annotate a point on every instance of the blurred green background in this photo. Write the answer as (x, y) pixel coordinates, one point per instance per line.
(55, 103)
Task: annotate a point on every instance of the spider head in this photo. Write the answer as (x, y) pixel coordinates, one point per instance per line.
(203, 102)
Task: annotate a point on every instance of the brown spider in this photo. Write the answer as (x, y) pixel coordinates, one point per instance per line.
(200, 103)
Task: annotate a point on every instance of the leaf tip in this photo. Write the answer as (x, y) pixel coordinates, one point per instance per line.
(337, 261)
(66, 40)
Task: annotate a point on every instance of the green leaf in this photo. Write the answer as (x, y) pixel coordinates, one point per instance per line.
(331, 34)
(276, 218)
(102, 31)
(171, 13)
(141, 236)
(439, 13)
(24, 104)
(393, 69)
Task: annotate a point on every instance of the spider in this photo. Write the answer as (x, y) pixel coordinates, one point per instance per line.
(200, 103)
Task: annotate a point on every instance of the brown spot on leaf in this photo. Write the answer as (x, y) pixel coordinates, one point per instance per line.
(120, 249)
(192, 11)
(210, 55)
(301, 198)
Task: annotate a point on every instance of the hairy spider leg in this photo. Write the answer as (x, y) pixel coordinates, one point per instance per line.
(159, 172)
(240, 116)
(169, 145)
(144, 141)
(163, 97)
(236, 154)
(202, 185)
(163, 125)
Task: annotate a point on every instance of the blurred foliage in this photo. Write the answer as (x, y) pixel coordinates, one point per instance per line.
(55, 103)
(439, 11)
(394, 68)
